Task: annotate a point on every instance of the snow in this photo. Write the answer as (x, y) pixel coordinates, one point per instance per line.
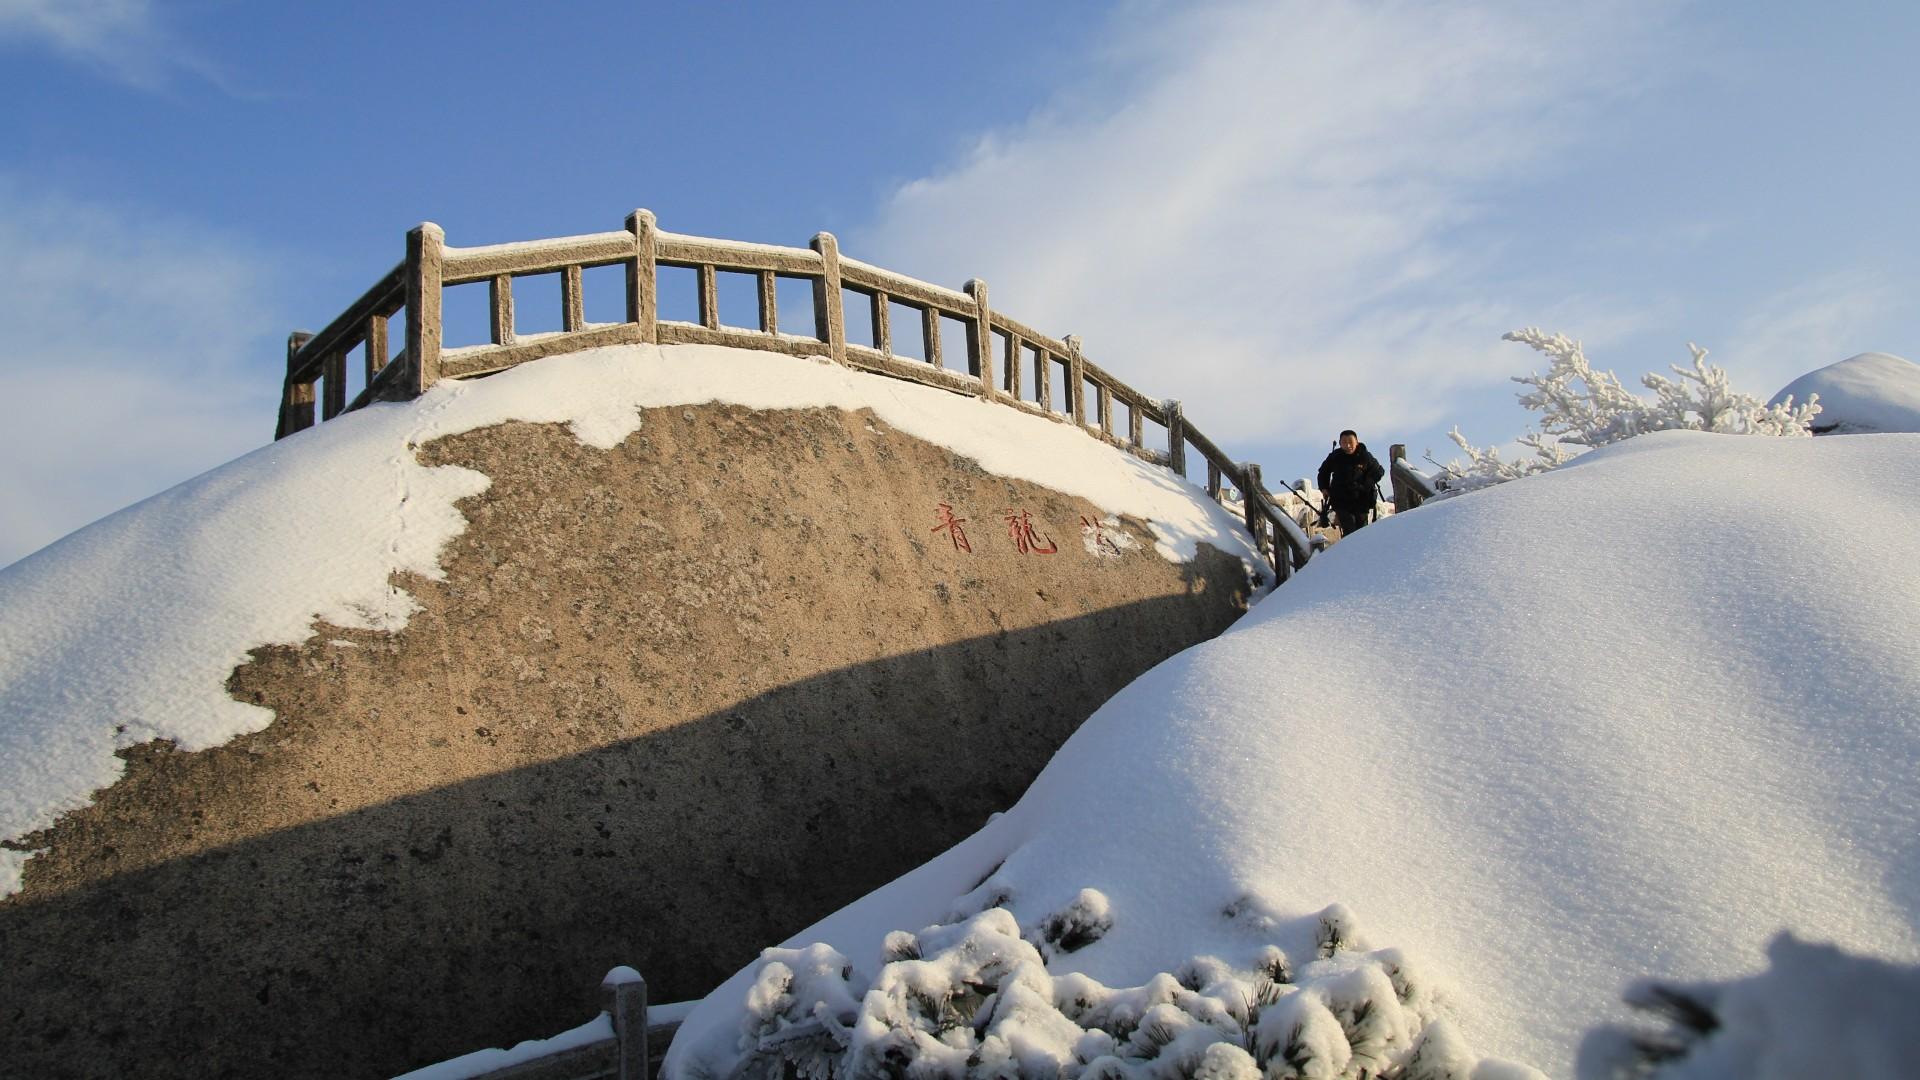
(1869, 392)
(126, 630)
(559, 245)
(1815, 1012)
(1628, 718)
(952, 296)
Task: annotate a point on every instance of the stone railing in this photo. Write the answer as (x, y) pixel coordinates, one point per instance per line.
(1005, 361)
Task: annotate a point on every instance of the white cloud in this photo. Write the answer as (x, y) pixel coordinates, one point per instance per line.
(121, 38)
(1271, 209)
(136, 353)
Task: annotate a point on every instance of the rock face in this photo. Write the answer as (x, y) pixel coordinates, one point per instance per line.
(672, 703)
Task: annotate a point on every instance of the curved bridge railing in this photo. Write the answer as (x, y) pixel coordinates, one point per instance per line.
(1006, 361)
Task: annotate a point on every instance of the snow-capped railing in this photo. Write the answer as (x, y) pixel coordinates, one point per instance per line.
(1411, 487)
(1007, 361)
(619, 1044)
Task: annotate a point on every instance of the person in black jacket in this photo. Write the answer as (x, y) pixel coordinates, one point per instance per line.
(1347, 479)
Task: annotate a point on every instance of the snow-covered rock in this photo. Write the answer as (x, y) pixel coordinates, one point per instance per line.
(1873, 391)
(125, 631)
(1632, 717)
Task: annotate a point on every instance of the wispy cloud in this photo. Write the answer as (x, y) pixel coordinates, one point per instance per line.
(124, 362)
(1810, 326)
(1280, 203)
(123, 39)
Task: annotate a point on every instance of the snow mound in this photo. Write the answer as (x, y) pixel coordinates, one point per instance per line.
(1631, 717)
(1869, 392)
(126, 631)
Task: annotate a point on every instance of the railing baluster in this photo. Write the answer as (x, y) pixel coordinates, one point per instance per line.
(1076, 380)
(333, 385)
(930, 331)
(1012, 378)
(1043, 379)
(500, 309)
(376, 345)
(1103, 400)
(709, 297)
(882, 323)
(769, 303)
(573, 306)
(1136, 424)
(1176, 437)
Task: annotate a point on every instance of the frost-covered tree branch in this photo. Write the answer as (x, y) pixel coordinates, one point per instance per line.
(1585, 408)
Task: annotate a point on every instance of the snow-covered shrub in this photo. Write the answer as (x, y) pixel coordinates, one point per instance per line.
(1815, 1012)
(1584, 408)
(974, 999)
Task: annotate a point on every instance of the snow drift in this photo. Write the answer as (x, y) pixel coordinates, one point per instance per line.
(1629, 718)
(1869, 392)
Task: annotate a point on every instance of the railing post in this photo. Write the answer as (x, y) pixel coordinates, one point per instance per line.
(296, 399)
(1249, 500)
(1402, 498)
(829, 321)
(426, 245)
(980, 338)
(623, 995)
(643, 294)
(1176, 437)
(1077, 381)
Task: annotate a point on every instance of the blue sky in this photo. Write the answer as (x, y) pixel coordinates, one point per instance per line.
(1294, 216)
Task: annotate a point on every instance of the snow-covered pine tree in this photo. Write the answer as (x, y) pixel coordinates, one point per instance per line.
(974, 999)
